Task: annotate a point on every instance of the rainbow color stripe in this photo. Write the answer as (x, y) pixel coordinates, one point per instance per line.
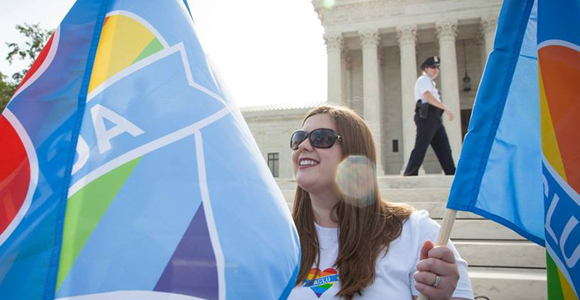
(559, 90)
(125, 40)
(559, 77)
(321, 281)
(559, 71)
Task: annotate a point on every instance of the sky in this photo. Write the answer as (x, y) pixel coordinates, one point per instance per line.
(267, 51)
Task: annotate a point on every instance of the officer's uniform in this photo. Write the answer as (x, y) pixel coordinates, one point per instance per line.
(430, 129)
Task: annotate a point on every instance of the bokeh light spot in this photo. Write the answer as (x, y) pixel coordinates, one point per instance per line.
(328, 4)
(356, 179)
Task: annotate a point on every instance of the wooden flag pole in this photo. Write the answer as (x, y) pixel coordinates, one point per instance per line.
(444, 234)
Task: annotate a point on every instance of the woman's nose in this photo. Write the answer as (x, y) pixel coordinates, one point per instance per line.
(305, 145)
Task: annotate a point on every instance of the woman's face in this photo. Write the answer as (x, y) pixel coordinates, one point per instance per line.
(315, 168)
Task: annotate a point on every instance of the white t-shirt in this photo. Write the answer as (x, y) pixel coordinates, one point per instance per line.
(394, 272)
(425, 84)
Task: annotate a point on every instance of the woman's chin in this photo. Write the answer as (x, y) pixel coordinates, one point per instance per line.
(315, 186)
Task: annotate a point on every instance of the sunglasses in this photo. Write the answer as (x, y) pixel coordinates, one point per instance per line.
(322, 138)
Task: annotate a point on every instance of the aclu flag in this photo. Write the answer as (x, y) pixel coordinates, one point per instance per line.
(127, 173)
(559, 65)
(520, 163)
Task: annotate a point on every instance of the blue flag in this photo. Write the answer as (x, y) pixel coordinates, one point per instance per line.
(131, 174)
(499, 174)
(520, 163)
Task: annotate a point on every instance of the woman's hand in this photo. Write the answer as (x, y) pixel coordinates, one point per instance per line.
(436, 262)
(450, 114)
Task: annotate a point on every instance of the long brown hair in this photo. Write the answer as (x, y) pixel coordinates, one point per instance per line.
(364, 232)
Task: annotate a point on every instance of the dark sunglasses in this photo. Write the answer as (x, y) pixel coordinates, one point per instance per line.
(323, 138)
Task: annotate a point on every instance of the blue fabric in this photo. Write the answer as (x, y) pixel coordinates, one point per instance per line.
(193, 153)
(499, 173)
(562, 215)
(47, 109)
(558, 30)
(562, 21)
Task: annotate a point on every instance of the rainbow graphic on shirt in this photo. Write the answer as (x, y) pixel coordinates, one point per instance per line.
(559, 76)
(321, 281)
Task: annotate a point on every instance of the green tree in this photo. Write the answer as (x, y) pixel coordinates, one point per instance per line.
(7, 89)
(35, 39)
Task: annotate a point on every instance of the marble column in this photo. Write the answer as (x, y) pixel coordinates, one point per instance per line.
(446, 32)
(334, 46)
(487, 28)
(346, 81)
(481, 44)
(371, 105)
(407, 37)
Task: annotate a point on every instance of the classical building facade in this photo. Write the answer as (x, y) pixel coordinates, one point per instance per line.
(374, 49)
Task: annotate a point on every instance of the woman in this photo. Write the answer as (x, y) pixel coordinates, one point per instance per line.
(361, 248)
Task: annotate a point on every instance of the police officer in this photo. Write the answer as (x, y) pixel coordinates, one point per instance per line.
(428, 112)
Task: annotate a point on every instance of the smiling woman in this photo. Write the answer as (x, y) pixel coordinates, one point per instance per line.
(354, 244)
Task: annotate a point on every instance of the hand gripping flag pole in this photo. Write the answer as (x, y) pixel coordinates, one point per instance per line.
(444, 234)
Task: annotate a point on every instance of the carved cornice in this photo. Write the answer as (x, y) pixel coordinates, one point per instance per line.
(487, 25)
(358, 12)
(369, 38)
(349, 12)
(346, 4)
(446, 29)
(407, 34)
(334, 42)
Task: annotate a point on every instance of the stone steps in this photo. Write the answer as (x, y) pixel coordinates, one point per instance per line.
(505, 254)
(437, 210)
(424, 181)
(481, 229)
(508, 283)
(415, 195)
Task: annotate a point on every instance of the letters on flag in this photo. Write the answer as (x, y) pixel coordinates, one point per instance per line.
(130, 174)
(559, 69)
(507, 172)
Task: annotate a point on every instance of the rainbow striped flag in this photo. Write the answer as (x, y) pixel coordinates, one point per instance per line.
(559, 72)
(126, 172)
(520, 163)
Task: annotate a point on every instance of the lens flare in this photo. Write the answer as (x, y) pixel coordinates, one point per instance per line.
(356, 179)
(328, 4)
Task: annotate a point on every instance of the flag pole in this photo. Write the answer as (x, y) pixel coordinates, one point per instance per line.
(444, 234)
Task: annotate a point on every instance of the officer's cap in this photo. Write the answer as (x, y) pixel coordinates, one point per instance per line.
(432, 62)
